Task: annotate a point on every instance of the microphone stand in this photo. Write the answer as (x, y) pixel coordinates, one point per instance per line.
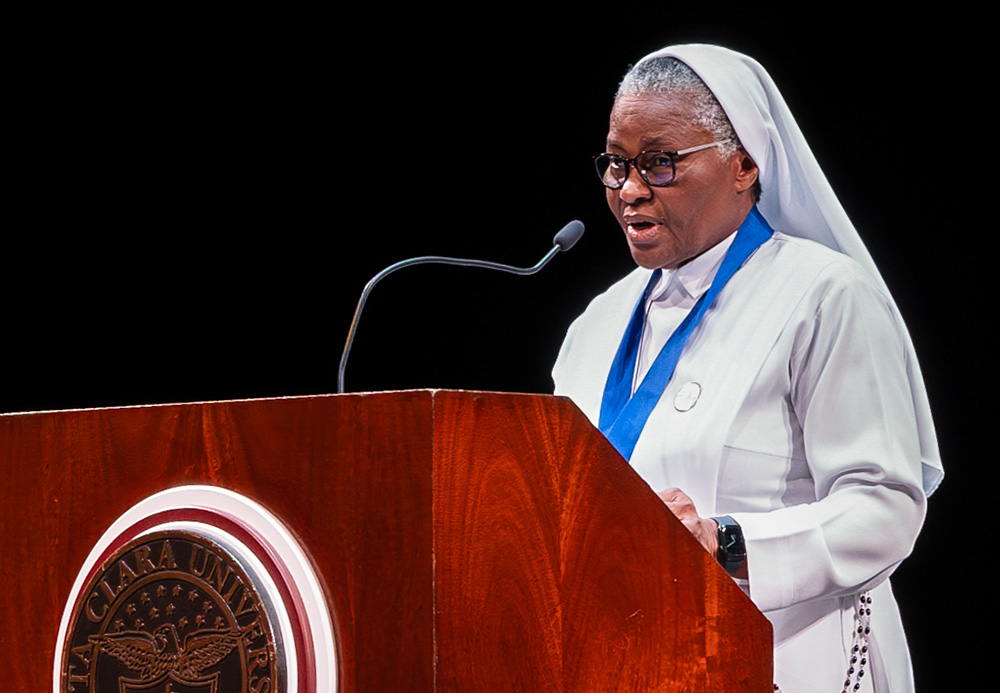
(564, 240)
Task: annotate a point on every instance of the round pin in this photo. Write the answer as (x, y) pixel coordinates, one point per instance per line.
(687, 396)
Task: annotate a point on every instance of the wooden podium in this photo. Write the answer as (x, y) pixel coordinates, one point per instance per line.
(463, 541)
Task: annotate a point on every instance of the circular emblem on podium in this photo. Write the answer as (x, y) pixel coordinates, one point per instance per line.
(174, 611)
(196, 590)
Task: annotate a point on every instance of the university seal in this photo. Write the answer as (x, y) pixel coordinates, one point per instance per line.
(172, 611)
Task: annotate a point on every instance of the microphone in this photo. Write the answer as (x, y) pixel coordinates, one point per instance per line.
(563, 241)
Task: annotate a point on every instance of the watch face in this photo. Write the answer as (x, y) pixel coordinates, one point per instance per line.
(730, 539)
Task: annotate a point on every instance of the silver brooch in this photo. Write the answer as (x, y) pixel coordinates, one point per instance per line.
(687, 396)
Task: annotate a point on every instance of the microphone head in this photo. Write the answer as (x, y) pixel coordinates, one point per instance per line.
(569, 235)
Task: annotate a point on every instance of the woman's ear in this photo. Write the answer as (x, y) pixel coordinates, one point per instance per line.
(746, 174)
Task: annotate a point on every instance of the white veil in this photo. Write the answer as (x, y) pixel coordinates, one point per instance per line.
(797, 198)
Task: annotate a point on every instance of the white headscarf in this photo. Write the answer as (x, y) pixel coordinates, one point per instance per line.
(797, 198)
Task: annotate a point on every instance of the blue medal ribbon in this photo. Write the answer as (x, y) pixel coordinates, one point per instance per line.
(623, 414)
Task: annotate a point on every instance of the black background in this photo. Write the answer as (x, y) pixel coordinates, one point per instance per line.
(196, 203)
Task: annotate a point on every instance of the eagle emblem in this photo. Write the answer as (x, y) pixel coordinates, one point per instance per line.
(161, 654)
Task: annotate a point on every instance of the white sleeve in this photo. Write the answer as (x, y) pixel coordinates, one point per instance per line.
(851, 397)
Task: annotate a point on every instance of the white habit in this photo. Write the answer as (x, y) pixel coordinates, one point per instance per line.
(810, 423)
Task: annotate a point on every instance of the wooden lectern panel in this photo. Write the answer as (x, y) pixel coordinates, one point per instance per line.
(464, 541)
(349, 476)
(558, 561)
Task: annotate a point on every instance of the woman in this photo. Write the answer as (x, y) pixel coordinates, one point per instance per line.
(754, 368)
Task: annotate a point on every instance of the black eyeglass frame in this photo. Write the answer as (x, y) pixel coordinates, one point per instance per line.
(634, 162)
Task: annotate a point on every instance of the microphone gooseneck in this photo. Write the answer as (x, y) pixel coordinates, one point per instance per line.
(563, 241)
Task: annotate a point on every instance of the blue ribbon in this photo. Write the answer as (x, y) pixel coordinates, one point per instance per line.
(623, 416)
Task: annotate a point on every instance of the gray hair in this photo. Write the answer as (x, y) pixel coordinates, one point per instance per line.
(670, 75)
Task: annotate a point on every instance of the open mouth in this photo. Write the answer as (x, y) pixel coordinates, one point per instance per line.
(641, 230)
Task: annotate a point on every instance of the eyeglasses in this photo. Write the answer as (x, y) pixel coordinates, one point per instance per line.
(657, 168)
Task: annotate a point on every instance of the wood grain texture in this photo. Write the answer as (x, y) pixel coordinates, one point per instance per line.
(349, 476)
(465, 541)
(559, 564)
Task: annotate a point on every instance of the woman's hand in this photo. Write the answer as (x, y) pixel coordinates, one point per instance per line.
(704, 529)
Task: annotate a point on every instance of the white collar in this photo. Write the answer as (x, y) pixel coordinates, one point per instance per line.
(695, 276)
